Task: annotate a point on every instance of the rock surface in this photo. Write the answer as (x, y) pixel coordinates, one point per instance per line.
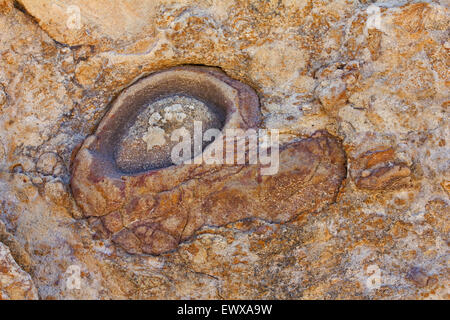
(14, 282)
(152, 211)
(373, 74)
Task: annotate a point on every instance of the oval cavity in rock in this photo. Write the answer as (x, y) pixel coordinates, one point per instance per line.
(147, 141)
(125, 183)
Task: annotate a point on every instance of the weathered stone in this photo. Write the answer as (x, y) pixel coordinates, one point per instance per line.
(188, 196)
(418, 276)
(15, 283)
(392, 59)
(384, 177)
(47, 163)
(380, 169)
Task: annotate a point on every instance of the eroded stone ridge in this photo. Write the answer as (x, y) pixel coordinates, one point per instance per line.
(153, 211)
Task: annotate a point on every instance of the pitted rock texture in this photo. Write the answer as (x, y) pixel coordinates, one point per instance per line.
(152, 211)
(155, 211)
(374, 74)
(15, 283)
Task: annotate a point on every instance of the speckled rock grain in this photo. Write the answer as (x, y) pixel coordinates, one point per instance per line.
(379, 83)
